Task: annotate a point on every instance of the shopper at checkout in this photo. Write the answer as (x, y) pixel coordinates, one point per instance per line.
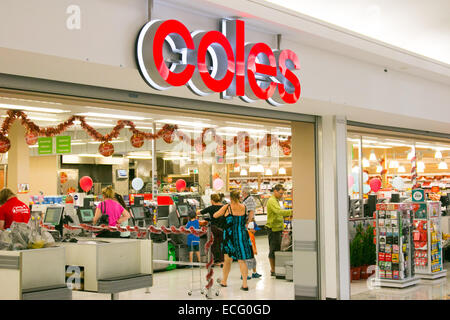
(217, 226)
(275, 223)
(112, 211)
(12, 209)
(193, 241)
(236, 241)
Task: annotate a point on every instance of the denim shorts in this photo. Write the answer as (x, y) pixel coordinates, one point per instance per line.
(193, 248)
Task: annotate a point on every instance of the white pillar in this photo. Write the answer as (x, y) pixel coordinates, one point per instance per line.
(334, 244)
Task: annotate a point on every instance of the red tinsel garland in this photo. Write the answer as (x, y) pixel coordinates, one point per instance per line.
(167, 132)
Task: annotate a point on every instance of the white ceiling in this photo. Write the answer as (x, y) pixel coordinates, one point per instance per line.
(422, 27)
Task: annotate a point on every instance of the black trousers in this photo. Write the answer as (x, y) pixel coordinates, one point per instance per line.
(217, 244)
(274, 242)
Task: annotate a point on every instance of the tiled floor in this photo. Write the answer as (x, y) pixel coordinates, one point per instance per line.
(175, 284)
(425, 290)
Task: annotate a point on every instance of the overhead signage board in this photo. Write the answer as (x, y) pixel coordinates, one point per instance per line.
(214, 61)
(63, 144)
(45, 145)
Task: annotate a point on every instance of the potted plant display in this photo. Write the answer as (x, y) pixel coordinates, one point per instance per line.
(356, 256)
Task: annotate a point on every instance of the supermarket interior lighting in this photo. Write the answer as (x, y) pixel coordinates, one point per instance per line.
(112, 116)
(442, 165)
(373, 157)
(27, 108)
(438, 154)
(366, 163)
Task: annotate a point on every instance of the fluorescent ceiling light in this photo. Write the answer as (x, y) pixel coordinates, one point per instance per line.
(140, 157)
(280, 133)
(91, 155)
(43, 119)
(100, 124)
(100, 142)
(245, 124)
(282, 171)
(187, 123)
(268, 172)
(368, 141)
(112, 116)
(190, 130)
(238, 129)
(395, 144)
(77, 143)
(139, 153)
(176, 158)
(373, 156)
(438, 154)
(29, 100)
(28, 108)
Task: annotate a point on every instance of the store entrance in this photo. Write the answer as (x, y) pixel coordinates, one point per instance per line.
(166, 164)
(398, 214)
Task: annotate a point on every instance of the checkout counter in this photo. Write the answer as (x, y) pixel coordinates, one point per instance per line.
(108, 265)
(111, 265)
(37, 274)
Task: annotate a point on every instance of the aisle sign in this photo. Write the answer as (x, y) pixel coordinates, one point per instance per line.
(45, 145)
(63, 144)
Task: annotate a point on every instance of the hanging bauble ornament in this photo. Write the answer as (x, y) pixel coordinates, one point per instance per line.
(137, 140)
(5, 144)
(31, 138)
(287, 150)
(168, 136)
(106, 149)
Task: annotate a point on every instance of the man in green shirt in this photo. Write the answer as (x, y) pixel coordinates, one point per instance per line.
(275, 223)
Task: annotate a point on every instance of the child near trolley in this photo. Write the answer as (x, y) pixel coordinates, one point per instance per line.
(193, 241)
(252, 228)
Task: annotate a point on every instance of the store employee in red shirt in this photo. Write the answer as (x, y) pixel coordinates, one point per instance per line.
(12, 209)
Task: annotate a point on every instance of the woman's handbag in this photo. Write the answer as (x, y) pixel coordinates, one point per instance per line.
(104, 219)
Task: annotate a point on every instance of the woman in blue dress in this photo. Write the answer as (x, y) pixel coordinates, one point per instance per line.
(236, 241)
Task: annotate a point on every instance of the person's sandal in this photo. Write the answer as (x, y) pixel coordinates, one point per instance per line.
(223, 285)
(244, 289)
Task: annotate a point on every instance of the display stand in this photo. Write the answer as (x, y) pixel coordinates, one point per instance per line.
(427, 238)
(394, 226)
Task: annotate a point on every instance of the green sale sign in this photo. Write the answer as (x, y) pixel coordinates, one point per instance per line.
(63, 144)
(45, 145)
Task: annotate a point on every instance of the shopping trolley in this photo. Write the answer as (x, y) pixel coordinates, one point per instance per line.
(192, 266)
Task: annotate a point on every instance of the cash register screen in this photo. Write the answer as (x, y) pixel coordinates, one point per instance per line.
(183, 210)
(53, 215)
(138, 212)
(87, 215)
